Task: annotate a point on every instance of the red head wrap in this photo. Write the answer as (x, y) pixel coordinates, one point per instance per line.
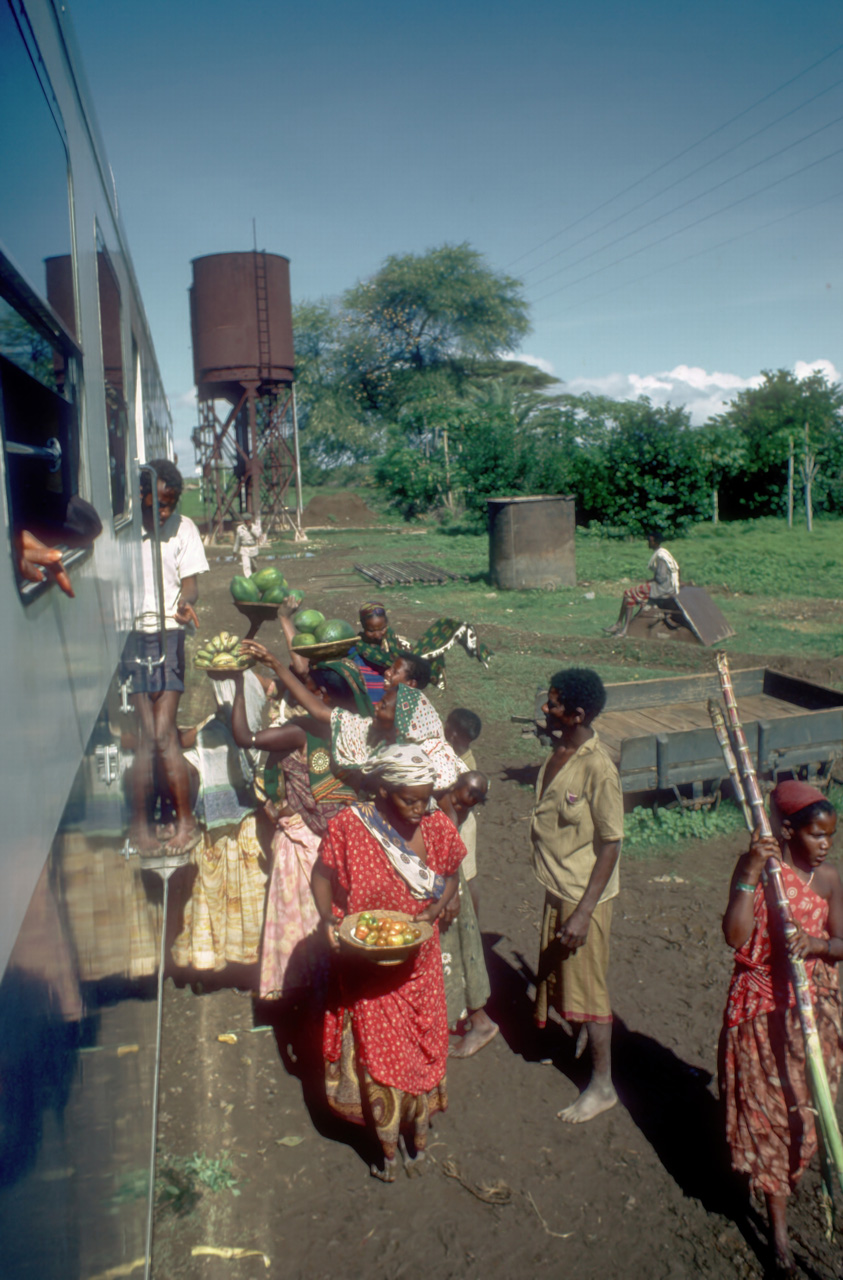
(791, 797)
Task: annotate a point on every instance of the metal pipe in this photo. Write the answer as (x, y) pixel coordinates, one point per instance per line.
(149, 663)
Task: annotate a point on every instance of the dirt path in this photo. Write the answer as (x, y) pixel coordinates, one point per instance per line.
(643, 1191)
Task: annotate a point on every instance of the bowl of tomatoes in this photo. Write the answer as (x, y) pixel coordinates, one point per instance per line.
(384, 937)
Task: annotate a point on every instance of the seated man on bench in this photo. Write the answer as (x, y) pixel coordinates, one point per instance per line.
(661, 588)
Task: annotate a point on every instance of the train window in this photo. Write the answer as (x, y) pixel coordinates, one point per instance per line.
(39, 356)
(116, 409)
(34, 193)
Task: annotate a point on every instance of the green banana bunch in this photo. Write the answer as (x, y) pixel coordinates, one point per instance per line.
(223, 653)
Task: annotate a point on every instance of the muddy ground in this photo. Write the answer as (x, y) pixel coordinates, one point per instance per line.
(642, 1191)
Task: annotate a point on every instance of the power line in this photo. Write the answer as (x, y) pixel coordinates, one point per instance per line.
(698, 253)
(706, 163)
(680, 230)
(691, 200)
(691, 147)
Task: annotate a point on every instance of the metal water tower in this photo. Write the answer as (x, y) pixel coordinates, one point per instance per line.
(242, 326)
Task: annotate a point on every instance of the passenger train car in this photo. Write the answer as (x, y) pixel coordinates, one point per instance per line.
(81, 406)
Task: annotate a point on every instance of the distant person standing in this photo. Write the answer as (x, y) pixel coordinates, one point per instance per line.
(576, 830)
(156, 686)
(246, 543)
(663, 585)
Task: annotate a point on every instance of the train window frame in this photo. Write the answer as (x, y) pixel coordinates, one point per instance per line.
(115, 395)
(40, 316)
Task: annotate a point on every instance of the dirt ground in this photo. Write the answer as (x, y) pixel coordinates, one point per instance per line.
(642, 1191)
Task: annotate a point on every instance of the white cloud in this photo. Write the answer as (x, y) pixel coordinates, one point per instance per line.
(701, 393)
(803, 369)
(536, 361)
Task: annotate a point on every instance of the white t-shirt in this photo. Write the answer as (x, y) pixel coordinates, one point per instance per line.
(665, 572)
(182, 556)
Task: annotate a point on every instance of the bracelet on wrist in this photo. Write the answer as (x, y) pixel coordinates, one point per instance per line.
(742, 887)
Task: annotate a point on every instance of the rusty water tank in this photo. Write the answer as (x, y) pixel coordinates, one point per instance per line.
(531, 542)
(241, 319)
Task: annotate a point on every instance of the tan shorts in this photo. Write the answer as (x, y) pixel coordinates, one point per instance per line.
(574, 982)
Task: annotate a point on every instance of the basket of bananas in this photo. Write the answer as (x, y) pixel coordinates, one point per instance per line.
(221, 658)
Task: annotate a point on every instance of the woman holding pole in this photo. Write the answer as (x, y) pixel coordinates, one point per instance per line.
(764, 1074)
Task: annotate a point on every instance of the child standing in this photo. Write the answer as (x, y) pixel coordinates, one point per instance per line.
(462, 728)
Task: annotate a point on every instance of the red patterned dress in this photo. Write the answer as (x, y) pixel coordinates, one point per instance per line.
(387, 1024)
(769, 1123)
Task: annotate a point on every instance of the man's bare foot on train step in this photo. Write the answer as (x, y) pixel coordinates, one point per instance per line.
(187, 836)
(480, 1031)
(144, 840)
(600, 1096)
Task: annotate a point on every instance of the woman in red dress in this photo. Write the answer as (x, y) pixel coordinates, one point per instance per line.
(386, 1030)
(769, 1118)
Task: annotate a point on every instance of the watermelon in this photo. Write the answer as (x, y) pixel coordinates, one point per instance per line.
(309, 619)
(303, 638)
(334, 629)
(244, 589)
(275, 595)
(266, 578)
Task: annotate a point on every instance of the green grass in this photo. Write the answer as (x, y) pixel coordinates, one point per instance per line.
(781, 590)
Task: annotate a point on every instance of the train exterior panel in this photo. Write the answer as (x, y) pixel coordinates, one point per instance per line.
(81, 405)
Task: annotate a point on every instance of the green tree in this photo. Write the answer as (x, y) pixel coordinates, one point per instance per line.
(422, 311)
(771, 416)
(637, 467)
(722, 453)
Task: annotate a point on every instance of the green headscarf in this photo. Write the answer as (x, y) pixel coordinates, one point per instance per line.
(349, 671)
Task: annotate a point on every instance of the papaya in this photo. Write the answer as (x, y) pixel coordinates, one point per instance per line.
(244, 589)
(275, 595)
(295, 594)
(266, 578)
(334, 629)
(309, 619)
(303, 638)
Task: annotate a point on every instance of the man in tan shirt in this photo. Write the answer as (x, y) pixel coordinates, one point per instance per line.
(576, 830)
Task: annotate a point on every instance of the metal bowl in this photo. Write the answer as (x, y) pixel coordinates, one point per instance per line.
(383, 955)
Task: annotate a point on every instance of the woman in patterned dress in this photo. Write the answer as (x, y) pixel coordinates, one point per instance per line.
(769, 1117)
(300, 750)
(386, 1031)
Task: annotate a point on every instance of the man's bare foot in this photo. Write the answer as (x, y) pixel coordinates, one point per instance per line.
(598, 1097)
(387, 1173)
(144, 840)
(480, 1031)
(185, 838)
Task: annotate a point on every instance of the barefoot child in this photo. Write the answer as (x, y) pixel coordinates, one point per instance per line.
(576, 830)
(155, 690)
(769, 1118)
(466, 979)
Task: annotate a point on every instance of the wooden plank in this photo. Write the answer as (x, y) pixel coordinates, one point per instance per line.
(698, 688)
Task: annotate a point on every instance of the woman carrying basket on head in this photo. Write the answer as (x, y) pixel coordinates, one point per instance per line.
(762, 1063)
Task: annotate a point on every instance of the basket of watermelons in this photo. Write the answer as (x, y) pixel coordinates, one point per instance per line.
(264, 594)
(319, 638)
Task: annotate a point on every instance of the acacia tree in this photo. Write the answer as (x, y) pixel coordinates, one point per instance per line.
(411, 335)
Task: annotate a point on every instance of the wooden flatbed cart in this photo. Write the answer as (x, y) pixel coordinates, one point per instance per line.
(659, 734)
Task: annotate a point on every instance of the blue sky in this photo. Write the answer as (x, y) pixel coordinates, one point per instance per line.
(667, 180)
